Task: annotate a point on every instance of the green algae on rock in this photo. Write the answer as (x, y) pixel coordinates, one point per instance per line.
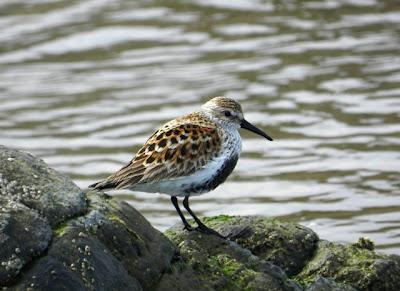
(324, 284)
(360, 268)
(312, 263)
(111, 246)
(270, 239)
(225, 265)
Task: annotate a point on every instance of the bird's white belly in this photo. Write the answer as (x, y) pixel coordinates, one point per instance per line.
(179, 186)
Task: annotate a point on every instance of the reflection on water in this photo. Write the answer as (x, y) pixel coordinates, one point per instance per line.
(82, 84)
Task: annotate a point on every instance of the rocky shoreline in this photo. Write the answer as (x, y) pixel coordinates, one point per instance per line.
(53, 235)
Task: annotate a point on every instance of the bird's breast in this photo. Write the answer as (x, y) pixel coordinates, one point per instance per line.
(218, 170)
(222, 173)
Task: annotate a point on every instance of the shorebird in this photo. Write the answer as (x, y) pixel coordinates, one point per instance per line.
(187, 156)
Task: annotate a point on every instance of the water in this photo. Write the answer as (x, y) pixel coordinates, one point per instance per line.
(83, 84)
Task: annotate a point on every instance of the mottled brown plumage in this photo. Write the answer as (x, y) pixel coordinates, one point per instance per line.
(178, 148)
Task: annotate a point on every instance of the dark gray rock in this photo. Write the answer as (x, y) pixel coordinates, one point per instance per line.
(78, 262)
(23, 236)
(324, 284)
(54, 236)
(181, 277)
(270, 239)
(317, 264)
(224, 265)
(111, 247)
(361, 268)
(32, 198)
(27, 180)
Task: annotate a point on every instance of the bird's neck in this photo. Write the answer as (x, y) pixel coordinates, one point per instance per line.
(229, 133)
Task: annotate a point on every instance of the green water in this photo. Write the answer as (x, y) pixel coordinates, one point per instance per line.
(84, 83)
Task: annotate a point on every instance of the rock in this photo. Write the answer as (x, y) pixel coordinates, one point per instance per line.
(270, 239)
(33, 197)
(110, 247)
(224, 265)
(324, 284)
(361, 268)
(55, 236)
(23, 235)
(181, 277)
(313, 264)
(27, 180)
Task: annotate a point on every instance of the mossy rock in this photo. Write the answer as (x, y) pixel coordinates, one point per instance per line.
(224, 265)
(55, 236)
(33, 198)
(325, 284)
(316, 265)
(354, 265)
(287, 245)
(110, 247)
(27, 180)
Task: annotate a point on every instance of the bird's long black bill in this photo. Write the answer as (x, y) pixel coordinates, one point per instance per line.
(247, 125)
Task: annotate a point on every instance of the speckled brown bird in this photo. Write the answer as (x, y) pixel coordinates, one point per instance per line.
(187, 156)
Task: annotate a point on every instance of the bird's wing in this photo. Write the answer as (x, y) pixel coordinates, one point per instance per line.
(171, 152)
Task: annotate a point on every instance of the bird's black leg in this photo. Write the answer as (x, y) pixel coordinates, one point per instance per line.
(202, 227)
(174, 201)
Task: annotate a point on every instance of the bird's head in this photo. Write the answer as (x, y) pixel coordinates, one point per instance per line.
(229, 112)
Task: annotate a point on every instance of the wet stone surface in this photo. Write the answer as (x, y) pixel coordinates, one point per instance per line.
(310, 263)
(27, 180)
(224, 265)
(23, 235)
(359, 267)
(270, 239)
(90, 241)
(86, 241)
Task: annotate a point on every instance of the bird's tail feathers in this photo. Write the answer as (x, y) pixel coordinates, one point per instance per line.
(103, 185)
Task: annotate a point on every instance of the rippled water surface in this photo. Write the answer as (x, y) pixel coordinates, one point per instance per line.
(84, 83)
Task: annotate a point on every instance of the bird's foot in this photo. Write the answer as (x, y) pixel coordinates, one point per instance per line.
(204, 229)
(188, 227)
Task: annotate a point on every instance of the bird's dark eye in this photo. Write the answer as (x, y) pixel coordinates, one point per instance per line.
(227, 113)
